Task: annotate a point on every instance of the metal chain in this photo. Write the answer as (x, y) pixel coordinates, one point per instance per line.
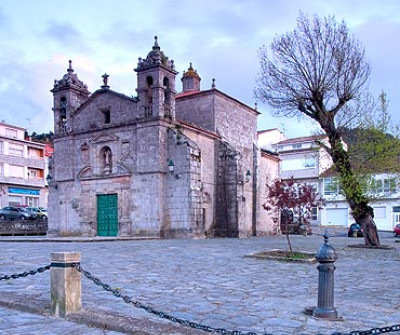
(336, 235)
(117, 293)
(373, 331)
(26, 273)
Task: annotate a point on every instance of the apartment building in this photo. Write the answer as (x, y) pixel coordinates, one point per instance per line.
(22, 169)
(301, 158)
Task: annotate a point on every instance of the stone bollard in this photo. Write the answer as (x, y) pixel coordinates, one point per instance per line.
(326, 256)
(65, 284)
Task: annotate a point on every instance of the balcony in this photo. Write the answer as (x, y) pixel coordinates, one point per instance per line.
(34, 182)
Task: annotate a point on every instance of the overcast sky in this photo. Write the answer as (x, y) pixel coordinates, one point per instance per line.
(220, 37)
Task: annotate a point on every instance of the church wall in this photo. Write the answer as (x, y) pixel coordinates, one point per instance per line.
(197, 109)
(148, 208)
(92, 116)
(267, 214)
(64, 159)
(237, 125)
(204, 167)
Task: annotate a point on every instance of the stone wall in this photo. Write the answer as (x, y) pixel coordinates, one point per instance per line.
(91, 116)
(197, 109)
(267, 214)
(207, 174)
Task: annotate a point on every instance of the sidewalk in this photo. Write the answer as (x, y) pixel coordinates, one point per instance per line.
(205, 281)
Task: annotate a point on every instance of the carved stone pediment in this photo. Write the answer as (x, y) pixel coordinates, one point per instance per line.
(123, 168)
(102, 138)
(85, 172)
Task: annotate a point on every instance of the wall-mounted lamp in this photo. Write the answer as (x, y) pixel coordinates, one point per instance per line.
(248, 176)
(50, 181)
(171, 166)
(171, 169)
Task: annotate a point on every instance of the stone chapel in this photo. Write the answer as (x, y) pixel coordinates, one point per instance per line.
(161, 164)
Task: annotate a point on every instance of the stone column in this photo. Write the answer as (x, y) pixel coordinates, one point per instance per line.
(65, 284)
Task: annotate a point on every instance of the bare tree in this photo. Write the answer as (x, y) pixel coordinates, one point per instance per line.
(319, 71)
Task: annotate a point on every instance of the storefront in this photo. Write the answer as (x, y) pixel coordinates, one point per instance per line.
(23, 197)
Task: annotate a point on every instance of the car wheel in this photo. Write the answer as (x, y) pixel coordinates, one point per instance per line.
(23, 218)
(2, 217)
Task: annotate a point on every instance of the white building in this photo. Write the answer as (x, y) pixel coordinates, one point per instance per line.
(383, 191)
(22, 169)
(301, 158)
(304, 159)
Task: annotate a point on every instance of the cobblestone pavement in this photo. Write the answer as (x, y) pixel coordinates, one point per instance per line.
(209, 281)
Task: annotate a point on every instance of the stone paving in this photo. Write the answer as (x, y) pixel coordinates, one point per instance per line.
(208, 281)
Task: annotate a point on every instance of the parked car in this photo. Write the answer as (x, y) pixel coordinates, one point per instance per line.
(16, 213)
(39, 211)
(396, 230)
(355, 230)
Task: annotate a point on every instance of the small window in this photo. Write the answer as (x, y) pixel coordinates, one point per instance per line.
(16, 150)
(16, 171)
(296, 146)
(314, 213)
(11, 133)
(107, 116)
(310, 162)
(189, 83)
(331, 186)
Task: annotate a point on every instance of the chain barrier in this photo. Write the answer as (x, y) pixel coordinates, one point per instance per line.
(25, 274)
(117, 293)
(335, 235)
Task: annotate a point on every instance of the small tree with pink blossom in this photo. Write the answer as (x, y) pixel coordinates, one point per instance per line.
(299, 197)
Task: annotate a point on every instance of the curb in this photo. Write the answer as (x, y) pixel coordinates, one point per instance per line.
(76, 239)
(95, 318)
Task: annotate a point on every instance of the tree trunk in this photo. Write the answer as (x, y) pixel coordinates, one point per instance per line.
(358, 203)
(371, 237)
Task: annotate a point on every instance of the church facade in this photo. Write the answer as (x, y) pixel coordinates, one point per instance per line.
(161, 164)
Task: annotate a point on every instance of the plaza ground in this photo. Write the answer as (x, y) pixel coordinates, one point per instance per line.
(206, 281)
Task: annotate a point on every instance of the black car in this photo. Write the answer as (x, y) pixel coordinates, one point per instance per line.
(355, 230)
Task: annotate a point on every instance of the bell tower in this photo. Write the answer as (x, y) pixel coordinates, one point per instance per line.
(156, 84)
(191, 80)
(68, 93)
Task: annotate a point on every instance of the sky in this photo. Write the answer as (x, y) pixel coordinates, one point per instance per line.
(220, 37)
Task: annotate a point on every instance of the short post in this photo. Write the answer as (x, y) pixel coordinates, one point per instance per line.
(65, 284)
(326, 256)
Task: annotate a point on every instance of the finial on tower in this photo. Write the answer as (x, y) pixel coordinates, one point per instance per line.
(213, 83)
(70, 69)
(156, 46)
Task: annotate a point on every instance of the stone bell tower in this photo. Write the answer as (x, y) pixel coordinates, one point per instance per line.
(191, 80)
(68, 93)
(156, 84)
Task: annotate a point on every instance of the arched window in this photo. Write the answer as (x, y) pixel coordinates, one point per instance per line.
(167, 90)
(149, 97)
(63, 108)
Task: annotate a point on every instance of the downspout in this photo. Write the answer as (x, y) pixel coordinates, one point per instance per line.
(255, 178)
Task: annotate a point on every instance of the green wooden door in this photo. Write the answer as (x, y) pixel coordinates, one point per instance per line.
(107, 215)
